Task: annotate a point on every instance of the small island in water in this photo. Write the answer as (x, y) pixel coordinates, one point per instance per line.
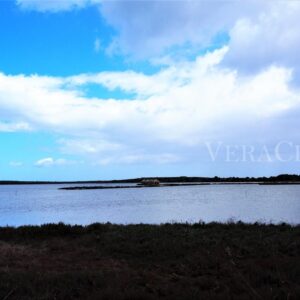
(186, 181)
(165, 182)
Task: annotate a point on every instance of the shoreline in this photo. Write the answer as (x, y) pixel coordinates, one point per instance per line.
(129, 186)
(172, 185)
(279, 179)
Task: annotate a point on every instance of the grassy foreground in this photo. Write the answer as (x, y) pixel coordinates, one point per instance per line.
(171, 261)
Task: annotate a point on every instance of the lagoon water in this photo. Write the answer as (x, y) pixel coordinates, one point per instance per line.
(39, 204)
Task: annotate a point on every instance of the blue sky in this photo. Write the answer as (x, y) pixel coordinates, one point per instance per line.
(57, 44)
(94, 89)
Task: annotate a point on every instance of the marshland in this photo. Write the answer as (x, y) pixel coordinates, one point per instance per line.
(170, 261)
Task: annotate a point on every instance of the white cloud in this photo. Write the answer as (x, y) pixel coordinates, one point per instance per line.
(49, 162)
(241, 93)
(143, 28)
(45, 162)
(147, 28)
(270, 37)
(95, 146)
(14, 126)
(260, 33)
(175, 110)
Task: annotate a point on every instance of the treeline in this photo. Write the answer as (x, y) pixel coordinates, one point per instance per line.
(279, 178)
(283, 178)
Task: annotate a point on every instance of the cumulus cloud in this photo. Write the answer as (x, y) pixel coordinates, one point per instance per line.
(143, 28)
(49, 162)
(173, 111)
(241, 92)
(147, 28)
(270, 37)
(260, 33)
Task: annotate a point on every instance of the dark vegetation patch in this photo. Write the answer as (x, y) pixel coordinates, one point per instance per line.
(170, 261)
(280, 179)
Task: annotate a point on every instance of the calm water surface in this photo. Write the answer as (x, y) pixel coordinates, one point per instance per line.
(38, 204)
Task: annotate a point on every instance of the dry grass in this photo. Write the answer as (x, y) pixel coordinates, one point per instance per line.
(171, 261)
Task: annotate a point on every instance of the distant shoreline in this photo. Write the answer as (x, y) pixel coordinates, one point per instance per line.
(72, 188)
(273, 180)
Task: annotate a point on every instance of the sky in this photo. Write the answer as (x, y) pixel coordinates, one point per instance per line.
(99, 89)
